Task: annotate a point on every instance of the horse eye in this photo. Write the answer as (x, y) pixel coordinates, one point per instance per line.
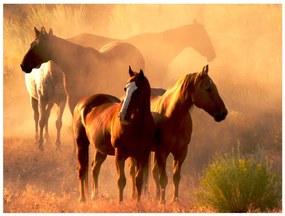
(125, 89)
(209, 90)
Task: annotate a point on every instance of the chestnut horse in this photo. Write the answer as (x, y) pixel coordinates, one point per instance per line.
(124, 129)
(161, 48)
(173, 124)
(85, 69)
(45, 87)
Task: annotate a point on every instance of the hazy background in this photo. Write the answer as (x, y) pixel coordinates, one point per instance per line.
(247, 71)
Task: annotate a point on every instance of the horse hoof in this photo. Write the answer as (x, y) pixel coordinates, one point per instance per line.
(175, 200)
(46, 137)
(81, 200)
(138, 206)
(93, 195)
(162, 202)
(58, 147)
(41, 147)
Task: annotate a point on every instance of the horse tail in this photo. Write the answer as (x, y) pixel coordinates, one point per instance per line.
(82, 115)
(82, 150)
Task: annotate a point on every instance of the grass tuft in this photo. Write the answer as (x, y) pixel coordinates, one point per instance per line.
(236, 183)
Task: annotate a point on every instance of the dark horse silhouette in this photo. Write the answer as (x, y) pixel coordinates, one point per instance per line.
(159, 49)
(173, 123)
(124, 129)
(86, 70)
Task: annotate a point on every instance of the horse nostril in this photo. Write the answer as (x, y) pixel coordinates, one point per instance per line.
(225, 113)
(127, 118)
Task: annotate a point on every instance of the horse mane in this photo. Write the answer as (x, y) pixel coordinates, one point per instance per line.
(187, 86)
(90, 49)
(177, 95)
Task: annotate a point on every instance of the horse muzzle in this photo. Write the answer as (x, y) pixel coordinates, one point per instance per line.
(221, 116)
(26, 69)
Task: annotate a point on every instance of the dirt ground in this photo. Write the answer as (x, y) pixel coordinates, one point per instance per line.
(36, 181)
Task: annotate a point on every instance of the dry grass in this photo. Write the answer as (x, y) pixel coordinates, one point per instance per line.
(46, 181)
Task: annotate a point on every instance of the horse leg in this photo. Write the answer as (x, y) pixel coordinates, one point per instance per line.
(58, 122)
(141, 165)
(177, 164)
(42, 121)
(120, 164)
(161, 162)
(146, 175)
(132, 168)
(71, 103)
(47, 114)
(155, 175)
(34, 103)
(96, 165)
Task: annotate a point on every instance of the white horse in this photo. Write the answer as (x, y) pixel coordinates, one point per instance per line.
(46, 88)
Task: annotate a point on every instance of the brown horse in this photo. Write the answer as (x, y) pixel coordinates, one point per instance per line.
(159, 49)
(124, 129)
(86, 70)
(173, 124)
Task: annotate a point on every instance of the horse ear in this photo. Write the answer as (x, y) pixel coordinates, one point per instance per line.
(37, 32)
(43, 30)
(50, 31)
(205, 70)
(141, 74)
(131, 72)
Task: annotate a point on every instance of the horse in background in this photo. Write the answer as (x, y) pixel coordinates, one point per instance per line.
(160, 49)
(173, 123)
(85, 69)
(46, 88)
(124, 129)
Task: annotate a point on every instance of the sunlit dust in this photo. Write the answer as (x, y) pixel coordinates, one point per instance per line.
(242, 44)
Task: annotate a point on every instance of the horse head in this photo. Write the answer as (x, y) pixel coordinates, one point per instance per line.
(137, 96)
(200, 40)
(38, 52)
(205, 95)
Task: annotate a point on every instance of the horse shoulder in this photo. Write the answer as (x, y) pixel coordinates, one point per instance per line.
(116, 129)
(31, 85)
(101, 131)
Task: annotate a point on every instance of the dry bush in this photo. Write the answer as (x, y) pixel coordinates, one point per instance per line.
(235, 183)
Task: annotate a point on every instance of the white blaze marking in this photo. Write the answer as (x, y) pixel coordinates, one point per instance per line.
(130, 88)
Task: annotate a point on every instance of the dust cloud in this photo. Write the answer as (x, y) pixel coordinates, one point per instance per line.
(241, 43)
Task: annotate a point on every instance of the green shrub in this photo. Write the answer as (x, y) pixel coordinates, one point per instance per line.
(234, 183)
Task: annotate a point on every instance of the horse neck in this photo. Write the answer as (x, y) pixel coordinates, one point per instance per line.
(177, 39)
(170, 42)
(68, 56)
(177, 101)
(144, 110)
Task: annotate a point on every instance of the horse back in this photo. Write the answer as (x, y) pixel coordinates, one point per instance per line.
(90, 40)
(86, 104)
(93, 116)
(125, 53)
